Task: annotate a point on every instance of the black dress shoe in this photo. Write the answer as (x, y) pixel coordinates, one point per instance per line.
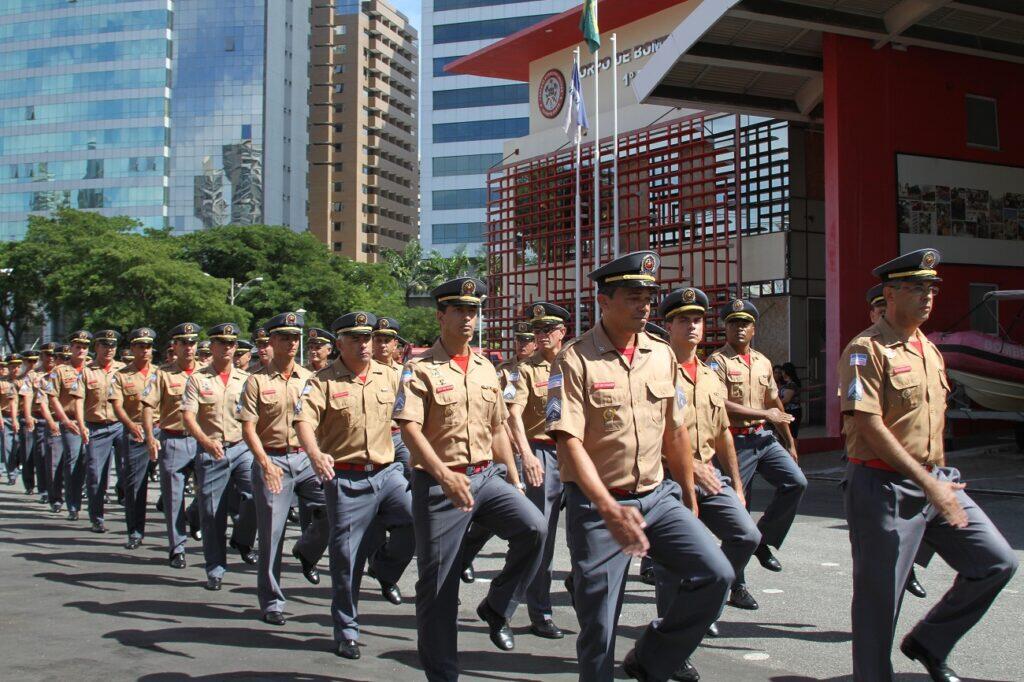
(468, 574)
(547, 629)
(196, 533)
(56, 507)
(391, 592)
(347, 648)
(213, 584)
(570, 587)
(160, 504)
(311, 572)
(713, 630)
(686, 672)
(72, 515)
(177, 560)
(633, 669)
(246, 553)
(767, 559)
(500, 632)
(741, 598)
(938, 670)
(647, 576)
(914, 587)
(133, 543)
(293, 516)
(274, 618)
(97, 527)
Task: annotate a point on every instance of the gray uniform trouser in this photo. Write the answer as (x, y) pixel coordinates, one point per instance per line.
(679, 542)
(177, 454)
(357, 503)
(213, 476)
(547, 497)
(379, 548)
(761, 453)
(103, 439)
(54, 466)
(730, 522)
(7, 443)
(33, 455)
(66, 454)
(297, 476)
(135, 470)
(440, 531)
(888, 517)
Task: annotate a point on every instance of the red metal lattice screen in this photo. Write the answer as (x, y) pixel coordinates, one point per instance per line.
(677, 196)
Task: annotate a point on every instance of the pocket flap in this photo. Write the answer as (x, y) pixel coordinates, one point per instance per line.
(662, 389)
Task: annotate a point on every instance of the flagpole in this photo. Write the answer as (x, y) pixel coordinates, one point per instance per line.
(596, 166)
(615, 147)
(579, 221)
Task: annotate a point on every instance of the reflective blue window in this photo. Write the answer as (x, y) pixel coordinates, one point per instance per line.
(79, 82)
(440, 63)
(85, 24)
(470, 164)
(481, 30)
(83, 169)
(482, 97)
(458, 233)
(105, 197)
(100, 110)
(450, 199)
(59, 55)
(468, 131)
(83, 139)
(18, 6)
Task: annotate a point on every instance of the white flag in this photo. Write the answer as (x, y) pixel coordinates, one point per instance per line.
(575, 108)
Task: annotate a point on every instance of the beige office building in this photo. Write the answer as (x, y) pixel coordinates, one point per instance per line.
(363, 172)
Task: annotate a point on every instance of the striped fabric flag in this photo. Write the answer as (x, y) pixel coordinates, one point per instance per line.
(588, 25)
(576, 111)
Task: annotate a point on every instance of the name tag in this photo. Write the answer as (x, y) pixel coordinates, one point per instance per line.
(270, 391)
(445, 388)
(206, 394)
(902, 369)
(93, 384)
(542, 384)
(340, 394)
(603, 385)
(173, 385)
(735, 373)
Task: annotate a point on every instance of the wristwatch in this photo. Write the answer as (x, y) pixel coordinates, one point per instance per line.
(521, 485)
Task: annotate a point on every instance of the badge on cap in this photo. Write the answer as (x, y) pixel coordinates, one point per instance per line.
(360, 318)
(384, 324)
(689, 296)
(468, 287)
(538, 311)
(189, 329)
(290, 318)
(312, 333)
(648, 264)
(228, 329)
(737, 305)
(928, 259)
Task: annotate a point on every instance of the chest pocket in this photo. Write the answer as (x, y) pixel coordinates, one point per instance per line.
(175, 387)
(130, 391)
(448, 404)
(342, 402)
(737, 386)
(385, 403)
(488, 403)
(607, 406)
(658, 393)
(906, 389)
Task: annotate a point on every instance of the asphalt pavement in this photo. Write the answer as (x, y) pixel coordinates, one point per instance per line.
(77, 606)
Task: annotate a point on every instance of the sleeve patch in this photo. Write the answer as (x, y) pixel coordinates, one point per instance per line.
(400, 401)
(554, 381)
(858, 359)
(510, 392)
(855, 391)
(553, 412)
(680, 398)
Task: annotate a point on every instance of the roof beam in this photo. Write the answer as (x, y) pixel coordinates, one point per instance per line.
(822, 19)
(730, 56)
(997, 9)
(810, 94)
(902, 16)
(963, 43)
(716, 100)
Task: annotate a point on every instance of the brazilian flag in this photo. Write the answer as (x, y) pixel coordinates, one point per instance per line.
(588, 25)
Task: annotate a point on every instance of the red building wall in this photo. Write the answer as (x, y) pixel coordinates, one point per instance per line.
(879, 103)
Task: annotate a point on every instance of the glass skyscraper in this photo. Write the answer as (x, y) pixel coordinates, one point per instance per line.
(187, 114)
(84, 109)
(465, 120)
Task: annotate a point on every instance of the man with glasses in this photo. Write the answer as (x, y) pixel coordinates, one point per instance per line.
(209, 409)
(900, 491)
(267, 409)
(101, 431)
(131, 385)
(64, 389)
(175, 449)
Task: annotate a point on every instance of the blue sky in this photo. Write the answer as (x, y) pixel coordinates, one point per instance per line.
(411, 9)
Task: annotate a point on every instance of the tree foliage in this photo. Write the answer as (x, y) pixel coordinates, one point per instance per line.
(88, 270)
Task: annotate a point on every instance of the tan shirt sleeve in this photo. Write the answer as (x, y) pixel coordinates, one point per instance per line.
(517, 387)
(248, 402)
(717, 365)
(116, 388)
(190, 398)
(566, 408)
(410, 406)
(151, 395)
(675, 417)
(312, 402)
(860, 379)
(52, 385)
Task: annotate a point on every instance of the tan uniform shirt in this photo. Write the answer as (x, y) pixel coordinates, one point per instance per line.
(129, 386)
(67, 386)
(215, 404)
(460, 413)
(619, 411)
(165, 396)
(881, 374)
(352, 419)
(528, 388)
(31, 389)
(8, 394)
(751, 386)
(706, 417)
(98, 383)
(269, 400)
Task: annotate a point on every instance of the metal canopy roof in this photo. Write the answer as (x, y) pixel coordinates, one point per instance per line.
(764, 56)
